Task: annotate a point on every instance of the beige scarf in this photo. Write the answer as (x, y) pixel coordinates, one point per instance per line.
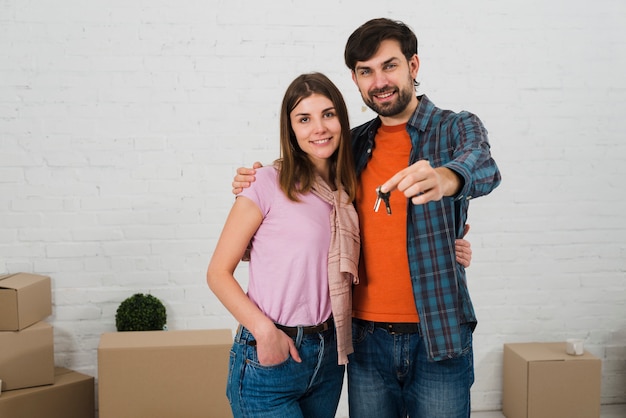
(343, 262)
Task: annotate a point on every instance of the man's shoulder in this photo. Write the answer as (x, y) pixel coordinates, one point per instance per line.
(440, 115)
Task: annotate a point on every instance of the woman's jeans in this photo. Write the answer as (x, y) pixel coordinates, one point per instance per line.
(389, 375)
(289, 389)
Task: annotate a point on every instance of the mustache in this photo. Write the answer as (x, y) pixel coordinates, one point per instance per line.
(382, 90)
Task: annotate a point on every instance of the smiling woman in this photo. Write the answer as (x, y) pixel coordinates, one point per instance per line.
(317, 130)
(291, 348)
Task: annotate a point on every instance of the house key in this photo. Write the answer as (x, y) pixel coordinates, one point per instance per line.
(385, 198)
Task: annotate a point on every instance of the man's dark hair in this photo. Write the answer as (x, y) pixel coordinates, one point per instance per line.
(366, 39)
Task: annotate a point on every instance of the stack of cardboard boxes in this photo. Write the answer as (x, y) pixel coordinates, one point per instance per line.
(31, 386)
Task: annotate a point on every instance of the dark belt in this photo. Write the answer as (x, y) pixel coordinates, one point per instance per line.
(293, 331)
(313, 329)
(392, 327)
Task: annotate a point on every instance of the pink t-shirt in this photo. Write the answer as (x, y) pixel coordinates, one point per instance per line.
(288, 273)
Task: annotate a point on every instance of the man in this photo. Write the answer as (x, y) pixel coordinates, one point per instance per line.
(413, 317)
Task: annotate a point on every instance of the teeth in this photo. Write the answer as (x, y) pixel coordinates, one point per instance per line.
(384, 96)
(321, 141)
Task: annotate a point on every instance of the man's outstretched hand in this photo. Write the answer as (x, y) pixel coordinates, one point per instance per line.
(423, 183)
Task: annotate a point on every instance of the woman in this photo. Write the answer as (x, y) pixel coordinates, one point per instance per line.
(291, 348)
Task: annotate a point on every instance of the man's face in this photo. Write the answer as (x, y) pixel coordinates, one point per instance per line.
(385, 81)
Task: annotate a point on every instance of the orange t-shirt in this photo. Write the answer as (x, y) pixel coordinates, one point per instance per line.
(385, 293)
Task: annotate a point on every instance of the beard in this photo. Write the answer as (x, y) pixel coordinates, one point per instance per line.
(405, 95)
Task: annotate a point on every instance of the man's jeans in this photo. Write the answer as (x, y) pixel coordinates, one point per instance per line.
(389, 376)
(289, 389)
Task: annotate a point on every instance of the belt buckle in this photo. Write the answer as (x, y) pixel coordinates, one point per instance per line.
(390, 329)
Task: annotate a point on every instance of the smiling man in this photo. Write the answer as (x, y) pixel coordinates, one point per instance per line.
(412, 314)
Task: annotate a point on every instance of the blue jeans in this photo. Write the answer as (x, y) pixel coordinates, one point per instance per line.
(389, 375)
(289, 389)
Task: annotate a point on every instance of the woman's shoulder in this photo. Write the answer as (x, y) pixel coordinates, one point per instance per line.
(268, 170)
(266, 181)
(266, 174)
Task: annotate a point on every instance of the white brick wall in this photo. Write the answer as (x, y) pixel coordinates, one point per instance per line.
(122, 124)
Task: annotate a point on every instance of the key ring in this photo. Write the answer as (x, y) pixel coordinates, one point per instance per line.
(384, 196)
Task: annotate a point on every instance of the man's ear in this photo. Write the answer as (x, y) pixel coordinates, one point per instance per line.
(414, 66)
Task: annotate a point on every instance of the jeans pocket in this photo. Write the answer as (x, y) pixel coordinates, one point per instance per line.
(253, 361)
(468, 350)
(231, 368)
(466, 339)
(359, 333)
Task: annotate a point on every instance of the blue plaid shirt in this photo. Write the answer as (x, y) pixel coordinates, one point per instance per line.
(459, 142)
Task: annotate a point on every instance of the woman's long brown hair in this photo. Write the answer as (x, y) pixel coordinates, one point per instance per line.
(297, 173)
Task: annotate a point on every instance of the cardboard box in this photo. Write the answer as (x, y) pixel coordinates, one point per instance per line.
(24, 300)
(164, 374)
(27, 357)
(542, 381)
(71, 396)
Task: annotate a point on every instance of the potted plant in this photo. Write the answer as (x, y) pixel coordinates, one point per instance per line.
(141, 312)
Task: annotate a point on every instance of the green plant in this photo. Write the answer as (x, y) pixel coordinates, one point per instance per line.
(140, 313)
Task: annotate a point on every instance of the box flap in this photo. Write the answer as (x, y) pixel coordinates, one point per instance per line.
(58, 371)
(69, 376)
(143, 339)
(546, 352)
(4, 276)
(19, 280)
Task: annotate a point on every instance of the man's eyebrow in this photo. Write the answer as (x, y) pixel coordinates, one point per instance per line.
(390, 60)
(366, 67)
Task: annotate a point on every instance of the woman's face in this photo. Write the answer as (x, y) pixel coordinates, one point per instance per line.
(316, 126)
